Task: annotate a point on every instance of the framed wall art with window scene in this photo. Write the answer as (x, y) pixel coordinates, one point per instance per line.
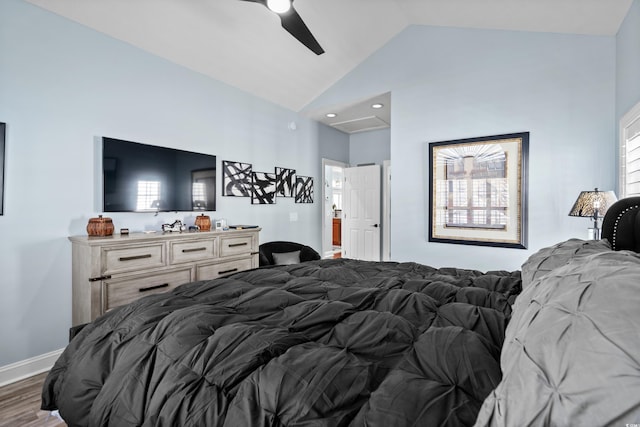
(478, 191)
(3, 128)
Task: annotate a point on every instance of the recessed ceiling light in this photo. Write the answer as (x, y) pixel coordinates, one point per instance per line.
(331, 115)
(377, 105)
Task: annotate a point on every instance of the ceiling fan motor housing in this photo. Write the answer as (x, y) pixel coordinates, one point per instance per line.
(292, 22)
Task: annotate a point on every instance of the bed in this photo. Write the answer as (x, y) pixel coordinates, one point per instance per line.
(571, 355)
(345, 342)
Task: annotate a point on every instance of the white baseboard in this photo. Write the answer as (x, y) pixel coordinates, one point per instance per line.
(28, 368)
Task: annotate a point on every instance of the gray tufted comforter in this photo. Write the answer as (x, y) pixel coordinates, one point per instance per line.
(323, 343)
(571, 355)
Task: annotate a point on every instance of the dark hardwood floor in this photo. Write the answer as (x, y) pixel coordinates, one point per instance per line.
(20, 405)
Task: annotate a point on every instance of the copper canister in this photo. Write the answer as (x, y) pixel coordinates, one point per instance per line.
(100, 226)
(203, 222)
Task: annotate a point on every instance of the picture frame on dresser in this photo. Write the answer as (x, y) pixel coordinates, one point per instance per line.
(3, 128)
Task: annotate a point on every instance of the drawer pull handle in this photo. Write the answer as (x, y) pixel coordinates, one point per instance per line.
(233, 245)
(227, 271)
(150, 288)
(194, 250)
(132, 258)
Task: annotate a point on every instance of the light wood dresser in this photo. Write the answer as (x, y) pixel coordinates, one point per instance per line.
(115, 270)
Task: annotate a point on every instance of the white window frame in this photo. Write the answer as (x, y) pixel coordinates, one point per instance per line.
(147, 193)
(631, 120)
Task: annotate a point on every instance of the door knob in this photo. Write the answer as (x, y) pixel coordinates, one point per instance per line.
(376, 225)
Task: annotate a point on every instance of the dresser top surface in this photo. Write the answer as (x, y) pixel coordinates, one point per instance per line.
(155, 236)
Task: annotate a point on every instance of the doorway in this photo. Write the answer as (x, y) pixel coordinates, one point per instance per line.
(332, 178)
(334, 170)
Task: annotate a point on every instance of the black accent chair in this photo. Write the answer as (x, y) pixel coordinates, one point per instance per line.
(267, 250)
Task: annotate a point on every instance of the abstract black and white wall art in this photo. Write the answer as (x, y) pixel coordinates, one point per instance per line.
(239, 180)
(236, 179)
(263, 188)
(285, 182)
(304, 189)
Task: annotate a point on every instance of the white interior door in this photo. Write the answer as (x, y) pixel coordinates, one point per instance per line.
(361, 213)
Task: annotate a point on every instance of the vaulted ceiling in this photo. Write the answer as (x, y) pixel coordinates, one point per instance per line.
(243, 44)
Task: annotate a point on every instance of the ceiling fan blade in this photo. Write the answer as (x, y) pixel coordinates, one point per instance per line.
(293, 23)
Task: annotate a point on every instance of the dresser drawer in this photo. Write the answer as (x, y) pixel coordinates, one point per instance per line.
(195, 250)
(119, 292)
(132, 258)
(230, 246)
(212, 271)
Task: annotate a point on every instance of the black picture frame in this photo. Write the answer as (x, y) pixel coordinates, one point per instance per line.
(263, 188)
(304, 189)
(285, 182)
(478, 191)
(3, 129)
(236, 178)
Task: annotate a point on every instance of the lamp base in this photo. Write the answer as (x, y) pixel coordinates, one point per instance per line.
(593, 234)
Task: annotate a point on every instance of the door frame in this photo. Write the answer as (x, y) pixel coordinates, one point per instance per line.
(625, 134)
(385, 219)
(327, 245)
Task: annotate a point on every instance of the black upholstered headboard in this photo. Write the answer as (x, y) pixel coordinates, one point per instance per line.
(621, 224)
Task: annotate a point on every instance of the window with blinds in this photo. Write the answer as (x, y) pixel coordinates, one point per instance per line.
(148, 197)
(630, 153)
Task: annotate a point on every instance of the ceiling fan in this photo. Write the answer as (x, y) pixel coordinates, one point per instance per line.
(292, 22)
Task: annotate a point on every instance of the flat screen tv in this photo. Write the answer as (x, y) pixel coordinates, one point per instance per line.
(146, 178)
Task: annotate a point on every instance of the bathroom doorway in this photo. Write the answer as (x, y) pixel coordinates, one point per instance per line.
(332, 196)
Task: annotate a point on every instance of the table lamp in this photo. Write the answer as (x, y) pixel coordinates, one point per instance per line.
(593, 204)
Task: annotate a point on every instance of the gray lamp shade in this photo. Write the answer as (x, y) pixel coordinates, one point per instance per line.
(593, 204)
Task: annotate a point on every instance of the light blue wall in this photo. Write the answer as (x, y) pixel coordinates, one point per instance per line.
(628, 61)
(337, 146)
(62, 86)
(370, 147)
(450, 83)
